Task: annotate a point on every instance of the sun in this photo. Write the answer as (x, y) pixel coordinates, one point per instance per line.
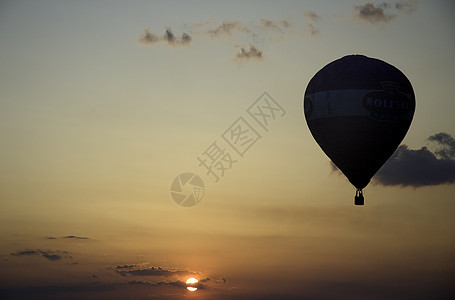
(191, 282)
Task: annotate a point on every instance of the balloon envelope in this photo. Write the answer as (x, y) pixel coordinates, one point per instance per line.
(358, 110)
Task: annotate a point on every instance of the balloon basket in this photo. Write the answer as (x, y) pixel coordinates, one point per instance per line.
(359, 200)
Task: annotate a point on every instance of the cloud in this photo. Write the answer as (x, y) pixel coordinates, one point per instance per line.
(227, 28)
(126, 266)
(251, 33)
(313, 30)
(201, 284)
(252, 53)
(176, 283)
(76, 237)
(374, 14)
(67, 237)
(285, 23)
(169, 36)
(133, 270)
(382, 13)
(254, 32)
(267, 24)
(407, 6)
(421, 167)
(50, 255)
(445, 144)
(149, 38)
(186, 39)
(312, 18)
(222, 280)
(269, 30)
(25, 252)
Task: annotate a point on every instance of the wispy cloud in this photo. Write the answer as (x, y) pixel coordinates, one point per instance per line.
(185, 39)
(176, 283)
(135, 270)
(50, 255)
(222, 280)
(383, 12)
(75, 237)
(258, 30)
(201, 284)
(251, 53)
(228, 28)
(314, 30)
(126, 266)
(311, 16)
(267, 24)
(285, 23)
(169, 36)
(311, 19)
(407, 6)
(374, 14)
(25, 252)
(150, 38)
(422, 167)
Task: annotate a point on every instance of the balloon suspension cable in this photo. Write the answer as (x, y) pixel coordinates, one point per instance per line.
(359, 200)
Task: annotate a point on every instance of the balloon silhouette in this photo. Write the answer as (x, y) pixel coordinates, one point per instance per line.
(358, 110)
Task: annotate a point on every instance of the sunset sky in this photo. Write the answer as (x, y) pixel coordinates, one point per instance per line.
(104, 103)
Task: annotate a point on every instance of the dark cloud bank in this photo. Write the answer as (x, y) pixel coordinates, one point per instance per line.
(422, 167)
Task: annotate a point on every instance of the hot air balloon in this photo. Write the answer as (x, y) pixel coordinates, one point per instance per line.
(358, 110)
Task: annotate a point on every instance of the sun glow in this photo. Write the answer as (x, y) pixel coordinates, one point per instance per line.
(191, 282)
